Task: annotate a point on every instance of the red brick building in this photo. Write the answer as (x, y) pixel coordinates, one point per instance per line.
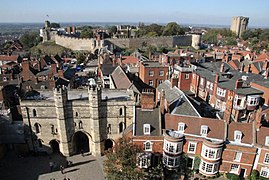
(153, 73)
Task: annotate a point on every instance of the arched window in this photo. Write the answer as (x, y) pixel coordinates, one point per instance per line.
(34, 112)
(76, 114)
(120, 111)
(80, 125)
(121, 127)
(37, 127)
(52, 129)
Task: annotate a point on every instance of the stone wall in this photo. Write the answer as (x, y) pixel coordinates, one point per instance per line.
(92, 44)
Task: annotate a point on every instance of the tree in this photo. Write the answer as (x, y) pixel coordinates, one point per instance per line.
(86, 33)
(121, 161)
(55, 25)
(112, 30)
(30, 39)
(171, 29)
(196, 163)
(80, 58)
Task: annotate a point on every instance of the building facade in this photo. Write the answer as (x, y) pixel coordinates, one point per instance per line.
(76, 120)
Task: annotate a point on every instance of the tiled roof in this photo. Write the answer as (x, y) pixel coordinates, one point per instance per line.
(8, 58)
(193, 125)
(245, 128)
(129, 60)
(261, 135)
(120, 79)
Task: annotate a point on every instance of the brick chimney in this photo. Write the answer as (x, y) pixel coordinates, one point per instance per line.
(174, 82)
(222, 67)
(249, 68)
(217, 78)
(54, 68)
(239, 83)
(26, 70)
(266, 73)
(147, 100)
(60, 73)
(242, 67)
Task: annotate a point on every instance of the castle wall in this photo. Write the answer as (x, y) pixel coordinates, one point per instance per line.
(75, 43)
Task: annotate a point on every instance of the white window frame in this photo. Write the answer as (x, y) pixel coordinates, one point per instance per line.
(192, 144)
(208, 84)
(161, 73)
(187, 76)
(151, 73)
(151, 82)
(146, 147)
(237, 156)
(160, 81)
(221, 92)
(218, 104)
(252, 100)
(181, 127)
(237, 136)
(235, 168)
(211, 86)
(206, 166)
(201, 81)
(266, 158)
(266, 141)
(204, 130)
(266, 170)
(146, 128)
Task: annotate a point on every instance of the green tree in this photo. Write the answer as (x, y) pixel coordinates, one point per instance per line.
(55, 25)
(196, 163)
(80, 58)
(112, 30)
(30, 39)
(172, 28)
(121, 161)
(86, 33)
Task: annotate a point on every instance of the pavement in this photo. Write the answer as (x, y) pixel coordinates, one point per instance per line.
(85, 167)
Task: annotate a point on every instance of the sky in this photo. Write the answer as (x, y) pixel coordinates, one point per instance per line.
(215, 12)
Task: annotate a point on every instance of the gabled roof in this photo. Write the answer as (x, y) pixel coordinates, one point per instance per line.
(9, 58)
(177, 100)
(120, 78)
(261, 135)
(107, 69)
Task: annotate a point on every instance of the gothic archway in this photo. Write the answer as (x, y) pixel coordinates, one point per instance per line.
(54, 145)
(108, 144)
(80, 142)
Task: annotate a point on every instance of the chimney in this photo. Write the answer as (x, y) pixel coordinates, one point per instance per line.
(238, 83)
(249, 68)
(242, 67)
(222, 67)
(266, 73)
(217, 78)
(53, 68)
(174, 82)
(266, 64)
(60, 73)
(147, 99)
(26, 70)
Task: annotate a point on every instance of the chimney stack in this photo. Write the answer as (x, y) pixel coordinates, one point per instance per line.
(222, 67)
(239, 84)
(217, 78)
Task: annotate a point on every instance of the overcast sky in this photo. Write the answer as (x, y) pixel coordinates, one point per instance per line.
(217, 12)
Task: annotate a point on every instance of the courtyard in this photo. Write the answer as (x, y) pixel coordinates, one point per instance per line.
(87, 167)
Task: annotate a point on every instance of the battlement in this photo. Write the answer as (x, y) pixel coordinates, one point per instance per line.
(60, 89)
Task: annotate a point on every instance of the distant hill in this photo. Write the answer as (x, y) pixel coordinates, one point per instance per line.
(48, 48)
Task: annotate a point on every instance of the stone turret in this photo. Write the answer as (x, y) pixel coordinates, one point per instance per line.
(61, 99)
(94, 104)
(196, 41)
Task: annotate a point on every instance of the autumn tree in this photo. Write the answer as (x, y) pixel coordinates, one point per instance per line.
(121, 161)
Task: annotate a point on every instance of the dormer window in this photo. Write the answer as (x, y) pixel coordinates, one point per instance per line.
(181, 127)
(237, 136)
(146, 128)
(267, 141)
(204, 130)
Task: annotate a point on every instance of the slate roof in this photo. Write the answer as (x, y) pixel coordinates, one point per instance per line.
(245, 128)
(107, 69)
(148, 117)
(177, 100)
(48, 60)
(153, 64)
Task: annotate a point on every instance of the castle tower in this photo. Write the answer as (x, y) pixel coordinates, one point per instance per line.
(196, 41)
(60, 98)
(239, 25)
(96, 143)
